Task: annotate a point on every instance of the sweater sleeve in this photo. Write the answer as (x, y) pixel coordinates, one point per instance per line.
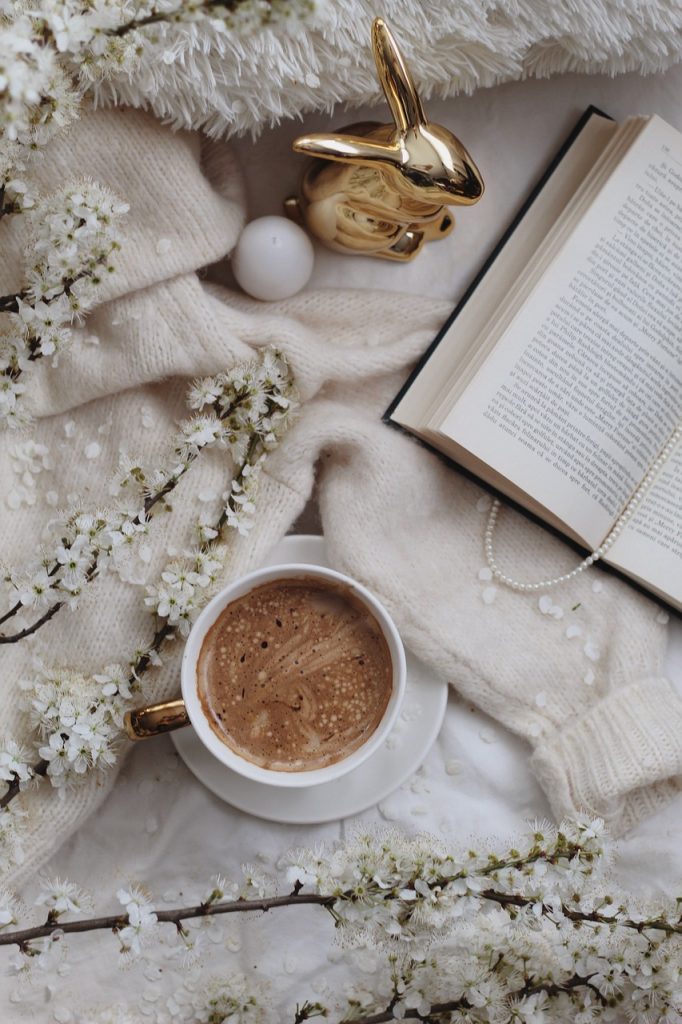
(621, 759)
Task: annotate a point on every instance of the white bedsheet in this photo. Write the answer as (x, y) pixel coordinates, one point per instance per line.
(162, 828)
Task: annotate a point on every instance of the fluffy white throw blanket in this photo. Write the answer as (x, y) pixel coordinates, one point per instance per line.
(195, 76)
(584, 689)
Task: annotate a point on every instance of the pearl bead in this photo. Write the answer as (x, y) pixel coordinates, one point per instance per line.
(273, 258)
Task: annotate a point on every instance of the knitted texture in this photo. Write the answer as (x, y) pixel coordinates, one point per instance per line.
(584, 689)
(588, 756)
(569, 674)
(196, 76)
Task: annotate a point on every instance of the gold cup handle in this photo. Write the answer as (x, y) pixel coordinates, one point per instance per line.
(152, 720)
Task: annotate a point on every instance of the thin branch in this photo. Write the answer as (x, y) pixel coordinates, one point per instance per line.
(150, 502)
(117, 921)
(154, 17)
(439, 1009)
(583, 916)
(162, 634)
(38, 769)
(10, 303)
(14, 638)
(54, 568)
(11, 613)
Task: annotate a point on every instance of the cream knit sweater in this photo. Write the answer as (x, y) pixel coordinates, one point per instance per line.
(584, 689)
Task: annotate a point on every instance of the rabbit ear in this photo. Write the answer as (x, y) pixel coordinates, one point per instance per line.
(352, 149)
(396, 80)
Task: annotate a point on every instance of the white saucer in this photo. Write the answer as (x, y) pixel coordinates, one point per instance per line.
(406, 747)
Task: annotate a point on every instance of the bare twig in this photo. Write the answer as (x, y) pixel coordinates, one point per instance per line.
(117, 921)
(13, 788)
(14, 638)
(11, 613)
(10, 303)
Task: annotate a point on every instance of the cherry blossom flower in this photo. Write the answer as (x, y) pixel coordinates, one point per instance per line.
(114, 680)
(72, 236)
(38, 97)
(204, 392)
(79, 720)
(56, 754)
(141, 919)
(16, 195)
(62, 897)
(199, 432)
(14, 762)
(34, 590)
(11, 391)
(220, 889)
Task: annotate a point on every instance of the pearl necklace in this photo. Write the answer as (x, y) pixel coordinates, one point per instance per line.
(599, 552)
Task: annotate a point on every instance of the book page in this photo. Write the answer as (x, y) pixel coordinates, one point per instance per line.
(584, 387)
(650, 546)
(434, 379)
(556, 235)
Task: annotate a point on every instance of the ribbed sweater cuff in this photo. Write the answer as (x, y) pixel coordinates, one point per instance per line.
(620, 761)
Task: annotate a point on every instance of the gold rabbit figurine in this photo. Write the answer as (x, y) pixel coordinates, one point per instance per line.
(382, 189)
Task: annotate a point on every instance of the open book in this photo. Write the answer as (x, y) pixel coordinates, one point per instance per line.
(558, 380)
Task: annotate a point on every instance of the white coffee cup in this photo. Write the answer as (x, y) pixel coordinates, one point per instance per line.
(158, 718)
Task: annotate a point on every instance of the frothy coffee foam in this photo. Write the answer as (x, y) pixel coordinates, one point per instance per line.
(295, 675)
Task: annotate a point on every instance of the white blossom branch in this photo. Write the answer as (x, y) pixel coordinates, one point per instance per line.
(191, 10)
(84, 543)
(441, 1009)
(72, 239)
(571, 853)
(606, 916)
(79, 720)
(141, 663)
(54, 52)
(479, 938)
